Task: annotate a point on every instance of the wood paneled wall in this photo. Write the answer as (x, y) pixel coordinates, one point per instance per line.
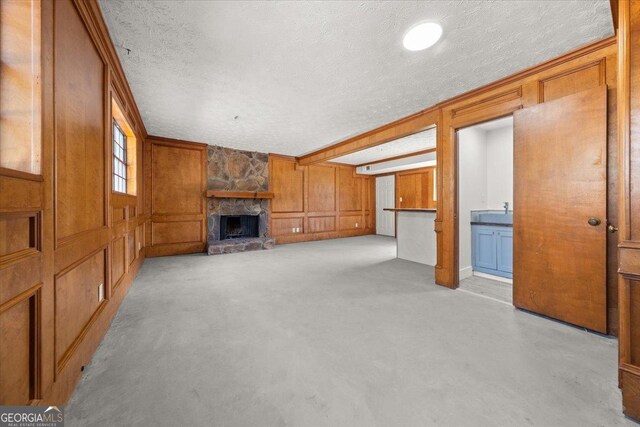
(321, 201)
(584, 68)
(629, 196)
(415, 189)
(65, 237)
(176, 183)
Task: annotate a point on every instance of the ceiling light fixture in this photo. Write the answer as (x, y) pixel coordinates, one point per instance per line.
(422, 36)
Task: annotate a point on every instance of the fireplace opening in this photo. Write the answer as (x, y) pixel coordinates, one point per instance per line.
(239, 226)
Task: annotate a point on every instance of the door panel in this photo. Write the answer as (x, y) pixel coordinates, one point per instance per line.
(385, 198)
(559, 184)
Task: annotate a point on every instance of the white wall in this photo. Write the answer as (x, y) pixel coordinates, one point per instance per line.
(499, 167)
(472, 188)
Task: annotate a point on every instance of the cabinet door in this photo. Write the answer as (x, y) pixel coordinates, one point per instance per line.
(484, 248)
(505, 251)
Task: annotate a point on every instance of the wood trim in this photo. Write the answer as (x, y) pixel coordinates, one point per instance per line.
(406, 126)
(171, 141)
(614, 13)
(402, 156)
(239, 194)
(20, 174)
(91, 12)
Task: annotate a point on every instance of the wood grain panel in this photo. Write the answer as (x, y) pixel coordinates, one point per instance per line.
(321, 224)
(118, 214)
(349, 190)
(117, 261)
(76, 302)
(20, 194)
(322, 189)
(131, 248)
(177, 175)
(284, 226)
(325, 186)
(80, 131)
(20, 234)
(407, 191)
(177, 180)
(350, 222)
(560, 185)
(286, 182)
(631, 395)
(634, 320)
(628, 107)
(573, 81)
(414, 188)
(17, 352)
(176, 232)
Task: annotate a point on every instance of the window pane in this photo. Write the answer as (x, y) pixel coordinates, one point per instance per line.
(119, 159)
(20, 85)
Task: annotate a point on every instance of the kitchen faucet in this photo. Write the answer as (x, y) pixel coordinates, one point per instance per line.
(506, 207)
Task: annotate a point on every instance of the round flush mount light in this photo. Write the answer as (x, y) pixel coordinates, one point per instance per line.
(422, 36)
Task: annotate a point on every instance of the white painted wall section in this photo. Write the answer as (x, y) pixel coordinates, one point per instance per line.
(416, 237)
(499, 167)
(472, 189)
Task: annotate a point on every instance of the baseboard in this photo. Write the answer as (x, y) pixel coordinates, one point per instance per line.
(465, 273)
(492, 277)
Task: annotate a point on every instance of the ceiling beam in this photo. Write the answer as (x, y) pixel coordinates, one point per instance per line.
(401, 156)
(406, 126)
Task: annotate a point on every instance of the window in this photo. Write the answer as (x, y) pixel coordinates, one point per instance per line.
(119, 159)
(124, 147)
(20, 85)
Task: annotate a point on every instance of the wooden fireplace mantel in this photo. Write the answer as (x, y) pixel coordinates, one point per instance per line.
(239, 194)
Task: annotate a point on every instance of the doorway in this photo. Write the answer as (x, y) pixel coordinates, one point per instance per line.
(485, 213)
(559, 208)
(385, 199)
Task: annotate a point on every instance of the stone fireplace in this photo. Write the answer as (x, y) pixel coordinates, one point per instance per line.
(233, 171)
(238, 226)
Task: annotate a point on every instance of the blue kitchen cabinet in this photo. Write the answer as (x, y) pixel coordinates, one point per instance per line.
(492, 248)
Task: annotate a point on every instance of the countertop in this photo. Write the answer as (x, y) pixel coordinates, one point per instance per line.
(497, 224)
(410, 209)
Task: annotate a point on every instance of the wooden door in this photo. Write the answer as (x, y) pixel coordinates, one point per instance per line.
(560, 187)
(385, 198)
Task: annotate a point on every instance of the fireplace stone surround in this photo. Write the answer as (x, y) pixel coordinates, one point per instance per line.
(236, 170)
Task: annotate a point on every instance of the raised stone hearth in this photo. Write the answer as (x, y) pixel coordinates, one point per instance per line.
(240, 245)
(235, 170)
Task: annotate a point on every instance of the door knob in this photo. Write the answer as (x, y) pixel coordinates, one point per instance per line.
(594, 221)
(612, 228)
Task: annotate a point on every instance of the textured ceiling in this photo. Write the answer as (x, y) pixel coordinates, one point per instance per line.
(409, 144)
(303, 75)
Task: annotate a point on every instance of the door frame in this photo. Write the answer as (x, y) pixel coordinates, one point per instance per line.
(453, 129)
(456, 185)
